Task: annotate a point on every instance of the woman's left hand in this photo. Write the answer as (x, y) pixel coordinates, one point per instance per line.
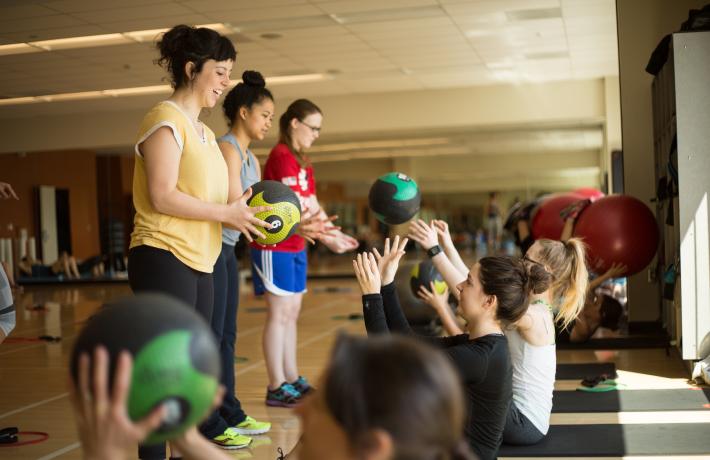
(367, 273)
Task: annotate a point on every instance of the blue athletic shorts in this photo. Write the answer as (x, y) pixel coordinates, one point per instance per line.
(280, 273)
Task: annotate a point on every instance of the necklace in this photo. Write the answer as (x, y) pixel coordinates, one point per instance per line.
(541, 302)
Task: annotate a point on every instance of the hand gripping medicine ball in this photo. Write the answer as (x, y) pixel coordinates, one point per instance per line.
(284, 215)
(423, 274)
(175, 358)
(394, 198)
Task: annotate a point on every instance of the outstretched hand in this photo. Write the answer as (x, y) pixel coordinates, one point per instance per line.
(442, 230)
(423, 233)
(388, 262)
(368, 276)
(314, 227)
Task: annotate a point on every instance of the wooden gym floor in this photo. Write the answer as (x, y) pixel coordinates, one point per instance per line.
(33, 375)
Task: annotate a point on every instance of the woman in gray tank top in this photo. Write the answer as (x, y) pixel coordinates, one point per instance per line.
(249, 109)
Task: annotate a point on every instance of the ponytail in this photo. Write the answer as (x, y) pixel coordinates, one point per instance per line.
(566, 261)
(571, 288)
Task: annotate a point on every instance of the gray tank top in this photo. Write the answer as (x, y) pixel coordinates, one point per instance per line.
(249, 176)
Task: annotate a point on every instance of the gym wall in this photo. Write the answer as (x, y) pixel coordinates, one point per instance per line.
(70, 169)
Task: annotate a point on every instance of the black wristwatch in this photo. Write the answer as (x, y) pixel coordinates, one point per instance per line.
(434, 250)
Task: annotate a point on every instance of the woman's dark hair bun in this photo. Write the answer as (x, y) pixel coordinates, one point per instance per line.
(253, 78)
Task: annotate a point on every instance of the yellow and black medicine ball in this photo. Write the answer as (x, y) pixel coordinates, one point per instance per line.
(285, 211)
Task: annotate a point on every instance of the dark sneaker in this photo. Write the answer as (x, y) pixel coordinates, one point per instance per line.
(284, 396)
(302, 386)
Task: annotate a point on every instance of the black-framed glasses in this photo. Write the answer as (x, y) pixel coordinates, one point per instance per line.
(315, 129)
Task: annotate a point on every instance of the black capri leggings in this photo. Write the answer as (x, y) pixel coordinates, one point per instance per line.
(157, 270)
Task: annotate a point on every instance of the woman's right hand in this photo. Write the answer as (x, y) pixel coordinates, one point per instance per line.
(442, 229)
(242, 217)
(388, 262)
(423, 234)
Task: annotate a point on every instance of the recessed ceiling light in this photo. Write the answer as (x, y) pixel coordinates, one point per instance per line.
(388, 15)
(547, 55)
(533, 14)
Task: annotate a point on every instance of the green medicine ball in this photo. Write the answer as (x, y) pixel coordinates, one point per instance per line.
(285, 211)
(394, 198)
(424, 273)
(175, 358)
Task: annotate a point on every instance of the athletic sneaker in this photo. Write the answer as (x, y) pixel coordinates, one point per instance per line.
(284, 396)
(231, 439)
(302, 386)
(251, 427)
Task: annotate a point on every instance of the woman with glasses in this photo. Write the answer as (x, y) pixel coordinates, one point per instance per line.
(280, 270)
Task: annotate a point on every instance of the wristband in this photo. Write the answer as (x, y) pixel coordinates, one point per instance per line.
(434, 250)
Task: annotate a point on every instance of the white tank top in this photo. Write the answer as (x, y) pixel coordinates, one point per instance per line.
(533, 378)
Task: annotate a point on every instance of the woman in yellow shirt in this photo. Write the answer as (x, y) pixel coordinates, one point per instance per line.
(180, 189)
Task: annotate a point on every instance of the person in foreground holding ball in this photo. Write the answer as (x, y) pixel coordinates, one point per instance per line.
(423, 386)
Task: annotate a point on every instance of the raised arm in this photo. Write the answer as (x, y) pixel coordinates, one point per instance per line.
(427, 238)
(442, 230)
(368, 277)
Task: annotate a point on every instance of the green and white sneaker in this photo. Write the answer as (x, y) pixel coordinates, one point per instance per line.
(231, 439)
(251, 427)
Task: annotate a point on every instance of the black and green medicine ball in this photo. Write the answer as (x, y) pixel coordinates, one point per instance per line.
(394, 198)
(175, 358)
(285, 211)
(424, 273)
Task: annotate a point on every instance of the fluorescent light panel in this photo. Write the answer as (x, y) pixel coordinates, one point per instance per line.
(91, 41)
(395, 143)
(145, 90)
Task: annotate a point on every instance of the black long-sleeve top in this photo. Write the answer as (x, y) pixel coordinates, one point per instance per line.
(483, 365)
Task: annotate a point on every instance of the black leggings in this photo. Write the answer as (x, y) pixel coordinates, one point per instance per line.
(157, 270)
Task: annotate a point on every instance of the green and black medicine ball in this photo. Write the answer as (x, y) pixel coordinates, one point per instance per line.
(424, 273)
(285, 211)
(175, 358)
(394, 198)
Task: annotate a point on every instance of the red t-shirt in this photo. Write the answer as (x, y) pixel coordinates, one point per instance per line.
(283, 166)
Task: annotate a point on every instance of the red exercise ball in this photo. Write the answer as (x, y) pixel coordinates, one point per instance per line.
(618, 229)
(589, 192)
(546, 221)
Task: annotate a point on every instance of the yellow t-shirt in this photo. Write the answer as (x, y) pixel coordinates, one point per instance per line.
(202, 174)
